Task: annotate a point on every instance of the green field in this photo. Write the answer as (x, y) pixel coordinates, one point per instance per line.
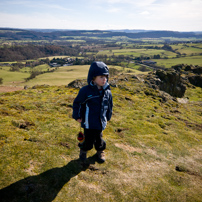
(62, 76)
(194, 60)
(187, 50)
(13, 78)
(138, 52)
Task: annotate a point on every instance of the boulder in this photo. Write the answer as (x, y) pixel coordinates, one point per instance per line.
(196, 80)
(78, 83)
(197, 70)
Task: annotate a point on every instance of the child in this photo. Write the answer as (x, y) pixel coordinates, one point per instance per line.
(93, 108)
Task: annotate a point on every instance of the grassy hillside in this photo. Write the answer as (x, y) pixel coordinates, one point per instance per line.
(153, 147)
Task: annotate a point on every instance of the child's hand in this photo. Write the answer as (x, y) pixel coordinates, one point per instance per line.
(79, 120)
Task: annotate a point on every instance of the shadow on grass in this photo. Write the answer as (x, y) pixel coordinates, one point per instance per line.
(45, 186)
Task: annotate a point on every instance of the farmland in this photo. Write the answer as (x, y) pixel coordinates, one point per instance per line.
(120, 50)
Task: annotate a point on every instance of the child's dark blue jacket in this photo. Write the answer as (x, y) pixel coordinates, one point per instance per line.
(94, 108)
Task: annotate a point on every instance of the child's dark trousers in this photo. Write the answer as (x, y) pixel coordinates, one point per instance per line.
(93, 137)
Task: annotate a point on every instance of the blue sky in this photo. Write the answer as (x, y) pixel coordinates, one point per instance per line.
(175, 15)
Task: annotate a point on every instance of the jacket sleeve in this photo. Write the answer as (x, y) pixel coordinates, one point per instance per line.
(78, 103)
(110, 106)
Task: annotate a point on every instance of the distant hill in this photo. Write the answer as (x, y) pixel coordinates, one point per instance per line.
(55, 34)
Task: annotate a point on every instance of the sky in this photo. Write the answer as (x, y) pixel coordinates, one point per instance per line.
(173, 15)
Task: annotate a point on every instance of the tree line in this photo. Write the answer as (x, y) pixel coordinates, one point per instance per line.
(30, 51)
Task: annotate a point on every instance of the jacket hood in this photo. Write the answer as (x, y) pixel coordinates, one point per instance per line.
(97, 69)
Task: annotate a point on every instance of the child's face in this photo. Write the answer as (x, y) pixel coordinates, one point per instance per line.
(100, 80)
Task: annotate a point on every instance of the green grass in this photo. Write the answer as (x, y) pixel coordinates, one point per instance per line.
(194, 60)
(10, 78)
(153, 147)
(41, 68)
(62, 76)
(188, 50)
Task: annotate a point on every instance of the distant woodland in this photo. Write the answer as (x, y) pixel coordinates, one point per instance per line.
(30, 51)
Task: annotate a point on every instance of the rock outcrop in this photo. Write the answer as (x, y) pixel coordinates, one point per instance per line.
(192, 73)
(175, 79)
(169, 81)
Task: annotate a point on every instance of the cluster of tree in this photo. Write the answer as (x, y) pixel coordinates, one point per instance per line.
(36, 62)
(157, 56)
(15, 67)
(26, 52)
(36, 73)
(1, 81)
(167, 47)
(60, 61)
(86, 61)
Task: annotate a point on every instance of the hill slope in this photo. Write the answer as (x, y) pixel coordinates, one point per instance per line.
(153, 147)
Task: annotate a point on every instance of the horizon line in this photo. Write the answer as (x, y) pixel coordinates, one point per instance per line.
(95, 29)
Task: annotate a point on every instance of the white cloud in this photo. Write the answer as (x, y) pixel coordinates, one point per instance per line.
(144, 13)
(113, 1)
(178, 10)
(55, 6)
(36, 20)
(142, 3)
(129, 2)
(114, 10)
(19, 2)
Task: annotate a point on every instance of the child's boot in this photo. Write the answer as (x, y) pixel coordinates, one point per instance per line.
(101, 156)
(82, 155)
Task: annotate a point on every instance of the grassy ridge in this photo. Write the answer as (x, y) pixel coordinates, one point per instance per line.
(153, 147)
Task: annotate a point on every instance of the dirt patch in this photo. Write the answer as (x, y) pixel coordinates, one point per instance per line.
(30, 170)
(128, 148)
(4, 89)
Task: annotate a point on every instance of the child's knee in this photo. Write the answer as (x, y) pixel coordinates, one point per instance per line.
(85, 146)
